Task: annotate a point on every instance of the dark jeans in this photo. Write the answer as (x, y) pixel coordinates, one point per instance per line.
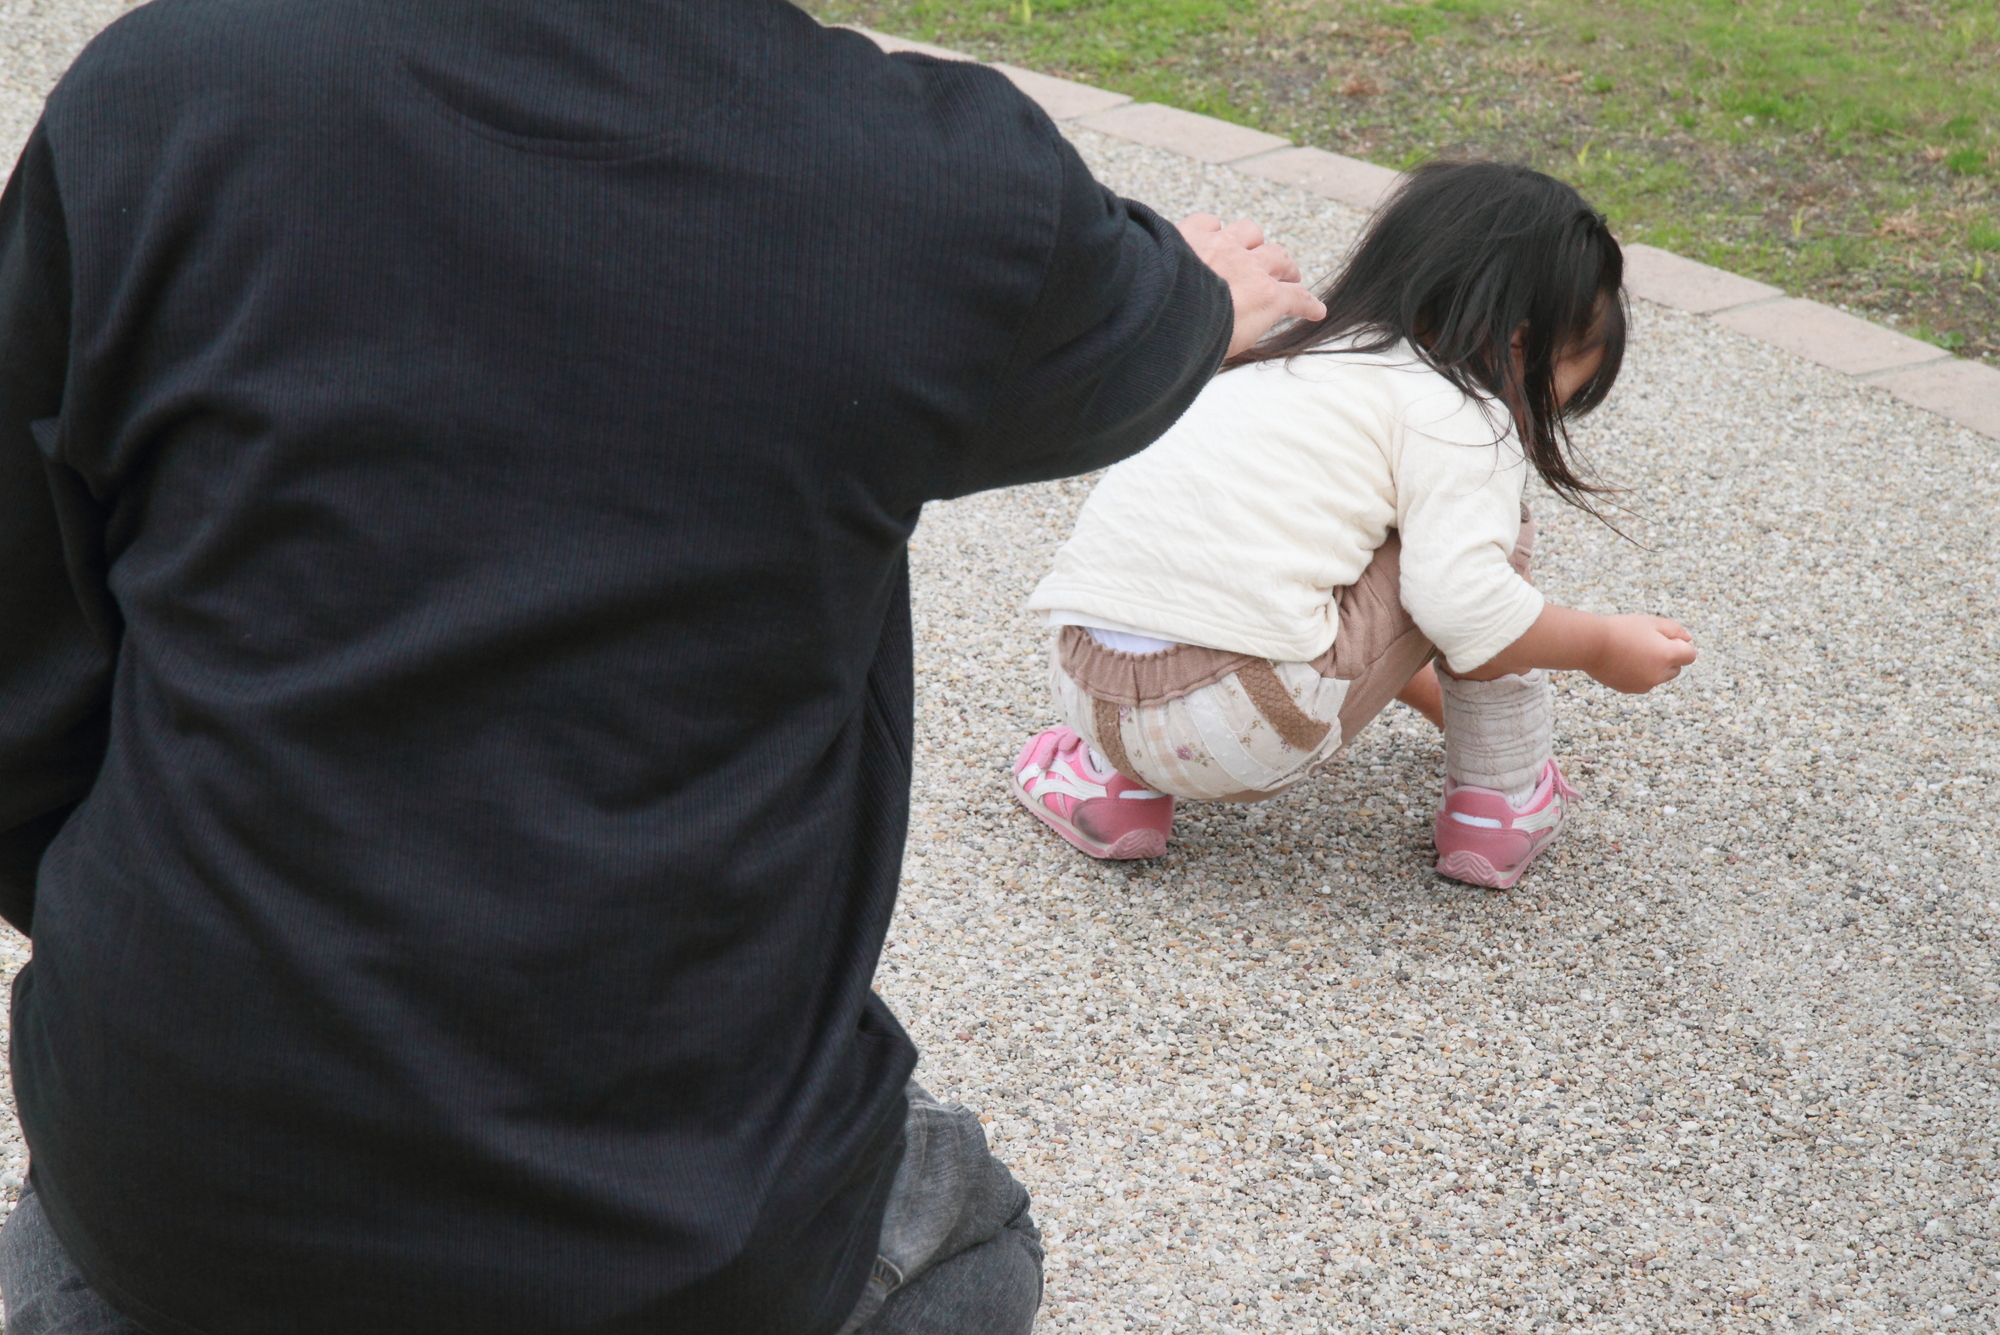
(44, 1293)
(959, 1254)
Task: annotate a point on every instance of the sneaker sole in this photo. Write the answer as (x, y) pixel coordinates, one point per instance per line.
(1129, 847)
(1475, 870)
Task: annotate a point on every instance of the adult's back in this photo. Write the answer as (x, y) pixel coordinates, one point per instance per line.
(455, 463)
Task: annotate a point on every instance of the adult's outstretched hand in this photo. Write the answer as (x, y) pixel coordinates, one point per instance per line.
(1263, 280)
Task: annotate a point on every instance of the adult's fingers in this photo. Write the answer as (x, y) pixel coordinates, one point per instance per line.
(1263, 302)
(1247, 231)
(1297, 302)
(1201, 222)
(1277, 262)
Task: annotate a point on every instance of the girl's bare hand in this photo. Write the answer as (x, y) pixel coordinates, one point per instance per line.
(1641, 652)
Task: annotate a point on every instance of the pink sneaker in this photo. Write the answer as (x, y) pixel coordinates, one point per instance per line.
(1070, 789)
(1482, 838)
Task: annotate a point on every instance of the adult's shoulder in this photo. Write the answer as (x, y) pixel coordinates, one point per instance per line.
(185, 47)
(958, 109)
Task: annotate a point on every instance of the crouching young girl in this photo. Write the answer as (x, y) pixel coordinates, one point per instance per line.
(1339, 509)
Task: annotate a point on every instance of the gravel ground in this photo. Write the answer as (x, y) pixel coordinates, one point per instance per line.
(1726, 1061)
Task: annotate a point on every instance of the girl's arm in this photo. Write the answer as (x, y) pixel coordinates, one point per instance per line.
(1631, 653)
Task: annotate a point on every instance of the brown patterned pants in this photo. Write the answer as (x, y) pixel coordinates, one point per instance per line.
(1229, 727)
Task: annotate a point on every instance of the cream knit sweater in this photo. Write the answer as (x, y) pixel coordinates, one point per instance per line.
(1235, 529)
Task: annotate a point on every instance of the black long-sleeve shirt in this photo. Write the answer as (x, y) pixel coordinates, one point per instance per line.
(455, 466)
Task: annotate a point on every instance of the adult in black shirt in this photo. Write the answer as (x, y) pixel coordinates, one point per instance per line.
(455, 464)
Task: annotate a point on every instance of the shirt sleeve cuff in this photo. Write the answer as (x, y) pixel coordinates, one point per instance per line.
(1505, 626)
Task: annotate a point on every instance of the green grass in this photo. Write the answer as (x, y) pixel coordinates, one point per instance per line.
(1843, 150)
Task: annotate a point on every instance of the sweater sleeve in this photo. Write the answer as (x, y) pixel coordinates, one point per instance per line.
(1127, 328)
(1459, 477)
(55, 671)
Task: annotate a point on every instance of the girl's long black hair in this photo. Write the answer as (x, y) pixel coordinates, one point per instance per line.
(1461, 256)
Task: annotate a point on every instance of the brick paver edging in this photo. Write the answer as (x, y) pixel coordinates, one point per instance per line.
(1916, 372)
